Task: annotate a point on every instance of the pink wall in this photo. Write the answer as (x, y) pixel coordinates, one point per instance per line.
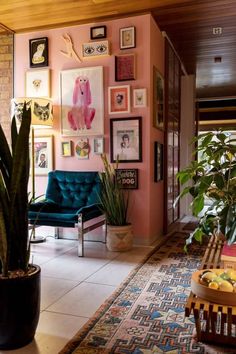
(142, 200)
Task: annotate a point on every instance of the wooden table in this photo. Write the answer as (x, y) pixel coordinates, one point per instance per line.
(214, 322)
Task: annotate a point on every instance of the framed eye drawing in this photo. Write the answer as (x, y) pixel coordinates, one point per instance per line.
(127, 37)
(95, 49)
(125, 67)
(38, 49)
(98, 32)
(140, 98)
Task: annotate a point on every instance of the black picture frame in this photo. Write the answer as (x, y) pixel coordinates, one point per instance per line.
(126, 139)
(127, 178)
(127, 37)
(98, 32)
(38, 51)
(158, 161)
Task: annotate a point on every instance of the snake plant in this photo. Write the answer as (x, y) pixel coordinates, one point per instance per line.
(214, 180)
(14, 175)
(113, 199)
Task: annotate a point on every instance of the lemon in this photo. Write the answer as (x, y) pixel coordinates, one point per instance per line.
(231, 273)
(226, 286)
(219, 271)
(208, 277)
(213, 285)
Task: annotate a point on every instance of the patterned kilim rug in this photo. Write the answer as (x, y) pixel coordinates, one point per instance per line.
(146, 314)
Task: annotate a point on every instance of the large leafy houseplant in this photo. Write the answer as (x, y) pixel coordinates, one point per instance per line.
(114, 200)
(114, 203)
(19, 281)
(214, 181)
(14, 167)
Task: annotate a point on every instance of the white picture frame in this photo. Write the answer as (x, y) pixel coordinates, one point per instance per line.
(82, 101)
(98, 146)
(43, 147)
(140, 98)
(37, 83)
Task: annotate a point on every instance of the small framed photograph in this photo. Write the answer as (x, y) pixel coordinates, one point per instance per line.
(119, 99)
(158, 99)
(37, 83)
(126, 139)
(98, 32)
(127, 178)
(98, 146)
(139, 98)
(125, 67)
(127, 38)
(43, 154)
(82, 149)
(66, 148)
(38, 49)
(158, 161)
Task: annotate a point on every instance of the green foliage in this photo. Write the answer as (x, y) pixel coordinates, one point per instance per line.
(14, 175)
(114, 200)
(214, 178)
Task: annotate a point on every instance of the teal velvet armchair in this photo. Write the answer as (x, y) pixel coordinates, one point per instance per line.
(72, 199)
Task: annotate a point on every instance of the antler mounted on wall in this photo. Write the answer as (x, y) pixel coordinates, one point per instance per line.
(70, 52)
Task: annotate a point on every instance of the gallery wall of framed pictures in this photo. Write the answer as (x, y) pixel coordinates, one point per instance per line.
(83, 89)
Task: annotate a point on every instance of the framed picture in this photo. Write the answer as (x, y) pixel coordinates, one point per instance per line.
(37, 83)
(158, 161)
(98, 146)
(119, 99)
(98, 32)
(66, 148)
(82, 102)
(95, 49)
(126, 139)
(43, 154)
(125, 67)
(38, 49)
(127, 37)
(140, 98)
(127, 178)
(158, 99)
(82, 149)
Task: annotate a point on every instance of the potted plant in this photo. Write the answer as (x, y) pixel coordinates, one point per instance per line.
(114, 203)
(214, 180)
(19, 280)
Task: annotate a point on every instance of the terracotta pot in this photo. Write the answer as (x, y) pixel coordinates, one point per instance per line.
(19, 309)
(119, 238)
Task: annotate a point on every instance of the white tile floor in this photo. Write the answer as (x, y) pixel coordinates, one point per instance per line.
(73, 288)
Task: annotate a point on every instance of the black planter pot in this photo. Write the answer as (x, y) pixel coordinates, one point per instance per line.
(19, 309)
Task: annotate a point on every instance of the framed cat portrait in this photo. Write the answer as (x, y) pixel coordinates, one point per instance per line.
(38, 50)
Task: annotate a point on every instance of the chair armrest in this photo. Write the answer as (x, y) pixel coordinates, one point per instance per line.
(46, 205)
(88, 208)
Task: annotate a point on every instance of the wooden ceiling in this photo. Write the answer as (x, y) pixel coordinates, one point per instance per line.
(188, 23)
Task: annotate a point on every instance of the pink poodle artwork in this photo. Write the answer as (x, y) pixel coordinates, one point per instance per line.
(82, 101)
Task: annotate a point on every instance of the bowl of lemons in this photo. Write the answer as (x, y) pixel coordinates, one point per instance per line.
(215, 285)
